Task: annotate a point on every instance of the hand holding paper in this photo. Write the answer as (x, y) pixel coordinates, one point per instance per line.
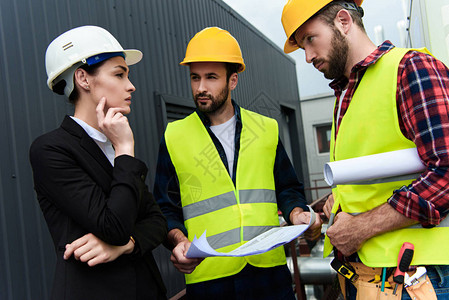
(264, 242)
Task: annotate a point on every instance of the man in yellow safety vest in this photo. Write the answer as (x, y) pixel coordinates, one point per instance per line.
(387, 99)
(223, 170)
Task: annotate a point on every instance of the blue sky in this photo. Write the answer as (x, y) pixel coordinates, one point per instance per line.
(265, 15)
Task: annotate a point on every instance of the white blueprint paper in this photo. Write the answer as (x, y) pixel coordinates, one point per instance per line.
(382, 165)
(264, 242)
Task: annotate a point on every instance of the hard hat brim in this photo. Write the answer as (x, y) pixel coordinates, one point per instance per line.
(132, 56)
(234, 60)
(289, 47)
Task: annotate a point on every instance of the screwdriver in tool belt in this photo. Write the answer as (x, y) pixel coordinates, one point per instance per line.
(404, 259)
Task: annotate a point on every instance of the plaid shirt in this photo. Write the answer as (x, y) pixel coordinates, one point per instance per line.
(423, 109)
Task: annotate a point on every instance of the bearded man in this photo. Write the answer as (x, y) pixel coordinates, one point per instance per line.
(387, 99)
(223, 170)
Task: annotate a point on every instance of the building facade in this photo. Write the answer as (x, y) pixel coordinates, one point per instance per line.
(429, 27)
(317, 122)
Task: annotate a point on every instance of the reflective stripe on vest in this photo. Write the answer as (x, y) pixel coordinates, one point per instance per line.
(231, 215)
(221, 201)
(232, 236)
(371, 126)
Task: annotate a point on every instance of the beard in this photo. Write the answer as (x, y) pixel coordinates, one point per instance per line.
(338, 56)
(217, 102)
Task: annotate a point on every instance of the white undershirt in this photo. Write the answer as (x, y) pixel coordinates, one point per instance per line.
(343, 93)
(99, 138)
(226, 135)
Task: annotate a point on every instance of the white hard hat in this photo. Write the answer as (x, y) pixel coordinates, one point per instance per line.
(72, 49)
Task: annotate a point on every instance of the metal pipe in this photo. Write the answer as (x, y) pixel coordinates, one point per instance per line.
(313, 270)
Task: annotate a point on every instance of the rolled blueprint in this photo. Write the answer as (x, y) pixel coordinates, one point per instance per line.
(365, 168)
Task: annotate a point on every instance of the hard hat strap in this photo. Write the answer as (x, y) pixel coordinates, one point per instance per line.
(349, 5)
(101, 57)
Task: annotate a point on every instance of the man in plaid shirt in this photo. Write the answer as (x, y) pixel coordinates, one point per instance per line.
(416, 86)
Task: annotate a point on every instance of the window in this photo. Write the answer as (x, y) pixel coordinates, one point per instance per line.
(177, 112)
(323, 137)
(171, 108)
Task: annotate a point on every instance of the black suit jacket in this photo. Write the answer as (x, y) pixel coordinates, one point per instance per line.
(80, 192)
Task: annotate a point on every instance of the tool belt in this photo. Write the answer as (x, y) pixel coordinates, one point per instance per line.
(368, 282)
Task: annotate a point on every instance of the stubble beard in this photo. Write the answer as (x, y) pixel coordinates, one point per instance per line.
(217, 102)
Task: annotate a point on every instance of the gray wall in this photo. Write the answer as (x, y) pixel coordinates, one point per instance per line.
(161, 29)
(316, 110)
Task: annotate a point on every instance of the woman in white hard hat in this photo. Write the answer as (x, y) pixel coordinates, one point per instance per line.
(103, 221)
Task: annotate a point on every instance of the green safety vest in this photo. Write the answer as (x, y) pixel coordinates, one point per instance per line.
(230, 215)
(371, 126)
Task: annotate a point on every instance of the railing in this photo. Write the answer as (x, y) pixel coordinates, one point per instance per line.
(317, 185)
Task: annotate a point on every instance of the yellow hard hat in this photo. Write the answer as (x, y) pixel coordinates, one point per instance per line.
(296, 13)
(215, 45)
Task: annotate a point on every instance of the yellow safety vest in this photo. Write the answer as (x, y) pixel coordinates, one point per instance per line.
(371, 126)
(230, 215)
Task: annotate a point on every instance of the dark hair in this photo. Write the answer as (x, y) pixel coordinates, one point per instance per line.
(231, 68)
(91, 70)
(329, 12)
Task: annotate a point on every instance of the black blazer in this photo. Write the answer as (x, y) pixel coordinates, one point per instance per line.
(80, 192)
